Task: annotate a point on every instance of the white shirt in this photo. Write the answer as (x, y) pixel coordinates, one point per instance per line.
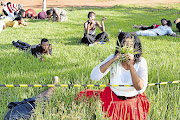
(163, 30)
(60, 12)
(120, 76)
(2, 23)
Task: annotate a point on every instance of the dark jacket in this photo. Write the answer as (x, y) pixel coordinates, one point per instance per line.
(37, 50)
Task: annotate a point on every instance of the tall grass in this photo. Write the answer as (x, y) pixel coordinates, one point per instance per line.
(73, 61)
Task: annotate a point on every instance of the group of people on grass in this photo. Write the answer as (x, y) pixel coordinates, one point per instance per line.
(13, 15)
(125, 69)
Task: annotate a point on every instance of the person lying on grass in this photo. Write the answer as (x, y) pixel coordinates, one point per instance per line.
(177, 22)
(161, 30)
(90, 30)
(59, 15)
(36, 50)
(24, 109)
(13, 23)
(126, 67)
(145, 27)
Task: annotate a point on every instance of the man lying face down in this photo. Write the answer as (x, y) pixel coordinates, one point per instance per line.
(36, 50)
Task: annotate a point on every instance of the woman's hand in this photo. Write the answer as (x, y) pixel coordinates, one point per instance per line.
(116, 57)
(129, 58)
(103, 18)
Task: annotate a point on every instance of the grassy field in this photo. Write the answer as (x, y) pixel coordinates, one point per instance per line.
(73, 61)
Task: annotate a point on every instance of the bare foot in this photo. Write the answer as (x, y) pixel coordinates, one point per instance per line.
(56, 80)
(135, 26)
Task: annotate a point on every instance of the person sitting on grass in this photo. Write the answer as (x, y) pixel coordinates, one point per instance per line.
(36, 50)
(163, 29)
(126, 67)
(24, 109)
(90, 30)
(59, 15)
(177, 22)
(145, 27)
(2, 25)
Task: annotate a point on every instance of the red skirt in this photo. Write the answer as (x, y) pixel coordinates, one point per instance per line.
(117, 109)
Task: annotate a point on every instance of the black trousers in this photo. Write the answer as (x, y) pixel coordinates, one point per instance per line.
(21, 45)
(89, 39)
(146, 28)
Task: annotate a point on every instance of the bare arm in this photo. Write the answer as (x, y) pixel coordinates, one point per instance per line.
(49, 18)
(137, 81)
(105, 66)
(58, 17)
(102, 28)
(48, 53)
(87, 27)
(175, 35)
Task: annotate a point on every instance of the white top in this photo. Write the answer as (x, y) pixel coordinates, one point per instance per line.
(10, 9)
(2, 23)
(120, 76)
(163, 30)
(60, 12)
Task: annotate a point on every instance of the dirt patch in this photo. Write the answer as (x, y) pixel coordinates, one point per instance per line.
(37, 4)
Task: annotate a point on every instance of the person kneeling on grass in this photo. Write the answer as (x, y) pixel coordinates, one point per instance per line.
(24, 109)
(59, 15)
(36, 50)
(30, 13)
(127, 67)
(90, 30)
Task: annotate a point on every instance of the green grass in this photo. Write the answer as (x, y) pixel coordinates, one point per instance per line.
(73, 61)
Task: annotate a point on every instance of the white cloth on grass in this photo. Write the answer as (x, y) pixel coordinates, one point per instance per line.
(2, 23)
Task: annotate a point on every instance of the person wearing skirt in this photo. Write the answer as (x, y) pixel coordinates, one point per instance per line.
(122, 103)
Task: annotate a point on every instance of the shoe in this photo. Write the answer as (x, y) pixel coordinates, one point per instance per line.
(19, 41)
(13, 42)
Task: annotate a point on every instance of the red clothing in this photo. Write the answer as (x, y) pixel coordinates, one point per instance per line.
(12, 8)
(157, 26)
(31, 11)
(115, 108)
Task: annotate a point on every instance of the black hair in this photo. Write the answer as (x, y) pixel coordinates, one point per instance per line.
(28, 15)
(44, 40)
(21, 11)
(163, 19)
(178, 26)
(48, 12)
(8, 3)
(90, 14)
(169, 23)
(137, 44)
